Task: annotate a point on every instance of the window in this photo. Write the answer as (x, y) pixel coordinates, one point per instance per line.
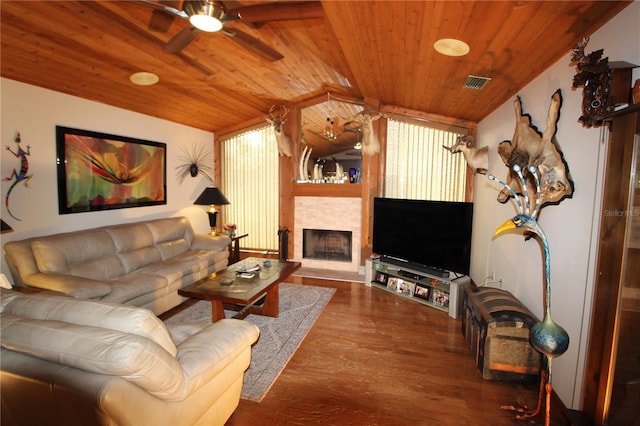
(417, 165)
(250, 177)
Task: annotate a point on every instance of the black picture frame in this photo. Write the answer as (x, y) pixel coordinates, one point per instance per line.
(422, 292)
(381, 278)
(100, 171)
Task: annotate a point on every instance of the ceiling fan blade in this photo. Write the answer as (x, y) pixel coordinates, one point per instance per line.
(253, 44)
(161, 20)
(181, 40)
(163, 8)
(279, 11)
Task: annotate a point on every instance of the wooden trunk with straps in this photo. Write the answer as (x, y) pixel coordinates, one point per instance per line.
(496, 327)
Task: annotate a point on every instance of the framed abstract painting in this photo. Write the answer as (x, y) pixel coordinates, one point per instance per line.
(99, 171)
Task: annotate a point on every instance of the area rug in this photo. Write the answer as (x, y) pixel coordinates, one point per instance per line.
(300, 306)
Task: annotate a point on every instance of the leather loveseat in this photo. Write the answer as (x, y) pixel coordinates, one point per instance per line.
(142, 263)
(77, 362)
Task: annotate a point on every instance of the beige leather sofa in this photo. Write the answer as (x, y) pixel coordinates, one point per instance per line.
(142, 264)
(80, 362)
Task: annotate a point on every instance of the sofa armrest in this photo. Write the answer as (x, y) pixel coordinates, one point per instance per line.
(204, 354)
(210, 242)
(71, 285)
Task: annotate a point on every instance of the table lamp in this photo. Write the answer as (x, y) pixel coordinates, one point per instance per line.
(211, 196)
(5, 227)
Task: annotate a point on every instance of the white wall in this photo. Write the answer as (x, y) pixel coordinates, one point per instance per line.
(35, 112)
(570, 225)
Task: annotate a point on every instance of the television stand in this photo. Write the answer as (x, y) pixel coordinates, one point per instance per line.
(403, 279)
(414, 266)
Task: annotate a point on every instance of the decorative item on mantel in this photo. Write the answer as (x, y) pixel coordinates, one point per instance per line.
(211, 196)
(317, 176)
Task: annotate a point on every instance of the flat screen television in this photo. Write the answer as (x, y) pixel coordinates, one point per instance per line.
(429, 236)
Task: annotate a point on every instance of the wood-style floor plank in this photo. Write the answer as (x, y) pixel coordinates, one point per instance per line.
(373, 358)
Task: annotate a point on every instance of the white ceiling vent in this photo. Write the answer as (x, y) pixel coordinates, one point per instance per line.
(475, 82)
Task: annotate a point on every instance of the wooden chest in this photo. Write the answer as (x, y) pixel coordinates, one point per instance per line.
(496, 328)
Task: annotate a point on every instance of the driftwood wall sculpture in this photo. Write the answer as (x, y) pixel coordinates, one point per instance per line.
(529, 148)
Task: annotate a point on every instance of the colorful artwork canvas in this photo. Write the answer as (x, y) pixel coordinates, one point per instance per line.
(99, 171)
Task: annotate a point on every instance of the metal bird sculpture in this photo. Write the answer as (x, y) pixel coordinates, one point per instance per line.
(546, 336)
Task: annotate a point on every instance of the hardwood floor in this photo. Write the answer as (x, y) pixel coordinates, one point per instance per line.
(373, 358)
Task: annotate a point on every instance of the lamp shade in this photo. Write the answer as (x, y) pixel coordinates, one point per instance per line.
(211, 196)
(5, 227)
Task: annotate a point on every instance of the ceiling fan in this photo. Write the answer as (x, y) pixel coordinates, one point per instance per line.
(212, 16)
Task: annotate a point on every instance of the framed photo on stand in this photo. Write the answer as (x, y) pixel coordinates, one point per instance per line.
(422, 292)
(381, 278)
(393, 283)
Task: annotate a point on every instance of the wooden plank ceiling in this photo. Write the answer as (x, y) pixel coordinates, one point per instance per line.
(379, 50)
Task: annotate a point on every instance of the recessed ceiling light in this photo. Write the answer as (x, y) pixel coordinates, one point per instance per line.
(144, 78)
(451, 47)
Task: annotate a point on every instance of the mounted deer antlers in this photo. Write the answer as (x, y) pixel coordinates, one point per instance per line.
(477, 159)
(277, 120)
(370, 142)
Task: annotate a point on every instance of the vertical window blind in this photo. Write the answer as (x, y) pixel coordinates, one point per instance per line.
(417, 165)
(250, 180)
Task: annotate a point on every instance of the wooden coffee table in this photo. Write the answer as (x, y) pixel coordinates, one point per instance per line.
(228, 286)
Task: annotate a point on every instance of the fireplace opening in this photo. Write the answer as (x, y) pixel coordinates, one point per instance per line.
(324, 244)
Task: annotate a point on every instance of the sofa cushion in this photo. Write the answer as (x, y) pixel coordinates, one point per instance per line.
(97, 350)
(55, 252)
(171, 229)
(137, 287)
(136, 259)
(170, 249)
(127, 319)
(89, 254)
(104, 268)
(130, 236)
(80, 287)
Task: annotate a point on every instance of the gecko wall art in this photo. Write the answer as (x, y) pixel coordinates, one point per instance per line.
(20, 176)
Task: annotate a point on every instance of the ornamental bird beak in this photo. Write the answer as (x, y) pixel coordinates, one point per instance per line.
(509, 224)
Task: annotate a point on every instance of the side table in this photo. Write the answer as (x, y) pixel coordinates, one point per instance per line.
(234, 248)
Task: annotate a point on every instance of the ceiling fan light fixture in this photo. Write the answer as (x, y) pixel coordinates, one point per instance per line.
(451, 47)
(205, 16)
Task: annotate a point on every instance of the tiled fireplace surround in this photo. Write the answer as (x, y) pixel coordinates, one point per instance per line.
(328, 213)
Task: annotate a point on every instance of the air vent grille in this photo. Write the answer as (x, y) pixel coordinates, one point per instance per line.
(475, 82)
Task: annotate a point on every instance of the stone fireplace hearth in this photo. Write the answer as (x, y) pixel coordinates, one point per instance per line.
(339, 214)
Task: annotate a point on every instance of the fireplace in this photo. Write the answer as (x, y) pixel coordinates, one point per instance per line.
(341, 216)
(325, 244)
